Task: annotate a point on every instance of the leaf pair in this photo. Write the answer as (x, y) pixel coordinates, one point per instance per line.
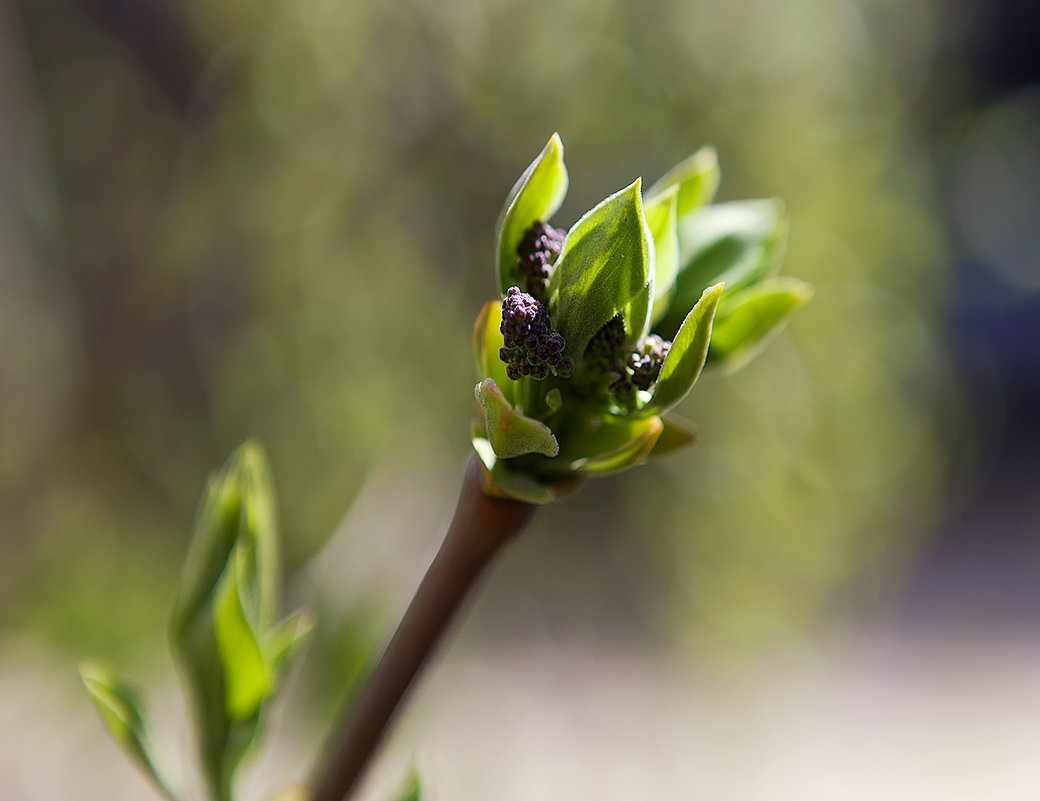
(686, 187)
(740, 244)
(231, 650)
(606, 266)
(223, 629)
(536, 196)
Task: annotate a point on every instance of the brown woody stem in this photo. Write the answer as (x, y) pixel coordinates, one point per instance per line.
(479, 529)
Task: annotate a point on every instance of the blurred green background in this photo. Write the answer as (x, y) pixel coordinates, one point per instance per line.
(275, 219)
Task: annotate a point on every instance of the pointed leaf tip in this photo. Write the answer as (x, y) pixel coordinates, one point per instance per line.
(696, 179)
(685, 360)
(607, 261)
(118, 706)
(748, 319)
(536, 196)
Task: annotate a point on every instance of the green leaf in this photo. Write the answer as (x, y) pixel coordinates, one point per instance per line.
(746, 320)
(697, 179)
(246, 679)
(411, 790)
(228, 598)
(281, 644)
(238, 503)
(685, 359)
(118, 705)
(510, 433)
(637, 315)
(676, 435)
(662, 220)
(534, 197)
(499, 481)
(611, 444)
(737, 244)
(606, 262)
(487, 342)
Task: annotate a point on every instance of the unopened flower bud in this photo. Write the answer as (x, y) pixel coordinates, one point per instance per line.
(538, 251)
(645, 363)
(531, 346)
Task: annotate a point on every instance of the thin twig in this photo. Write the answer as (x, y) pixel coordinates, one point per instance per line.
(479, 529)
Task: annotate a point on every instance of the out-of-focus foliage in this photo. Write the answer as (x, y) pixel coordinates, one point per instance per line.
(232, 653)
(234, 219)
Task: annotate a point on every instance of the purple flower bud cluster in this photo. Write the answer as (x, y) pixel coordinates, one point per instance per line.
(645, 363)
(603, 354)
(538, 251)
(532, 347)
(624, 373)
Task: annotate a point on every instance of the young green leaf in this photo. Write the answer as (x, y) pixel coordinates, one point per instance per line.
(239, 502)
(662, 220)
(534, 197)
(734, 243)
(611, 444)
(411, 790)
(685, 360)
(119, 708)
(637, 311)
(746, 320)
(499, 481)
(246, 679)
(281, 644)
(697, 179)
(487, 342)
(607, 260)
(675, 435)
(228, 598)
(509, 432)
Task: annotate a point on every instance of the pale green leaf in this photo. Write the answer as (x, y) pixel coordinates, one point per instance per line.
(411, 790)
(736, 244)
(238, 504)
(534, 197)
(228, 595)
(746, 320)
(118, 705)
(685, 359)
(487, 342)
(510, 433)
(247, 680)
(675, 435)
(611, 444)
(281, 644)
(662, 220)
(607, 260)
(499, 481)
(697, 179)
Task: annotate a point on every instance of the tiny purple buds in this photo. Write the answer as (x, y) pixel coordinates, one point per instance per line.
(646, 362)
(532, 347)
(538, 251)
(623, 373)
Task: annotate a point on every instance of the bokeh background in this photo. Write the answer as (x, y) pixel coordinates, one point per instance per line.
(274, 220)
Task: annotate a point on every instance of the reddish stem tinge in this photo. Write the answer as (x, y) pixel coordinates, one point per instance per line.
(479, 529)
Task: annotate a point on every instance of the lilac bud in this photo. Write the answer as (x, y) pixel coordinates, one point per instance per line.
(532, 347)
(538, 251)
